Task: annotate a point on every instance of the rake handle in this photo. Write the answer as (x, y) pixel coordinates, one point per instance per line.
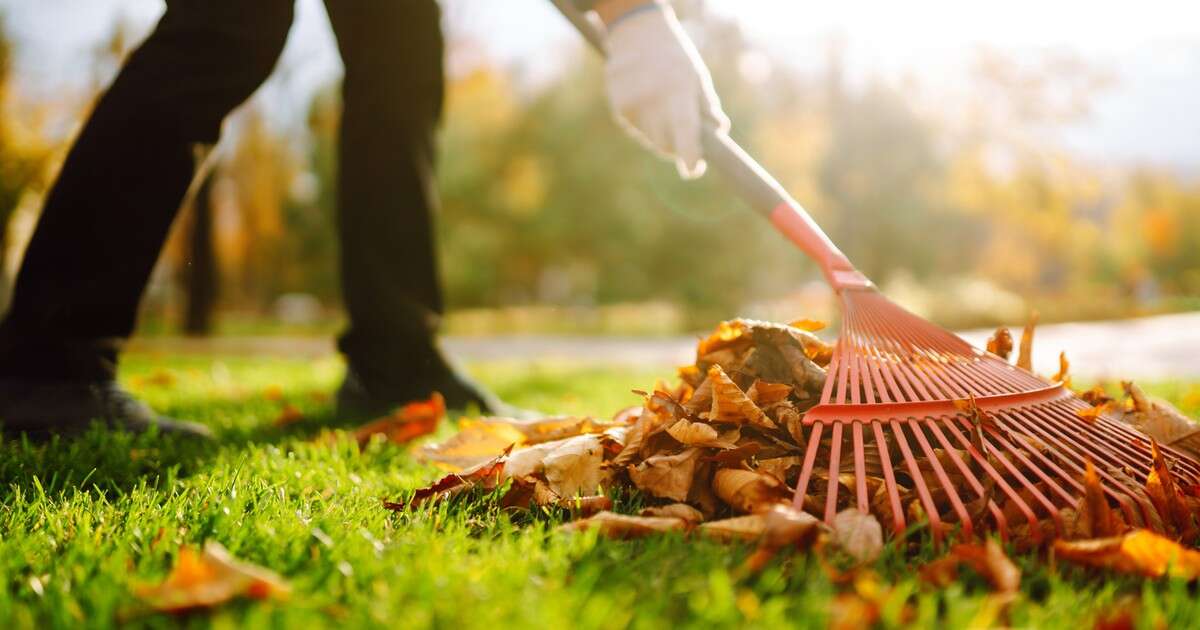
(762, 192)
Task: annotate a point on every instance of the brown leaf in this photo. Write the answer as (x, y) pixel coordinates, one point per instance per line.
(210, 578)
(586, 506)
(1095, 396)
(747, 491)
(666, 476)
(1139, 552)
(1025, 355)
(1164, 494)
(1162, 421)
(700, 434)
(1000, 343)
(574, 467)
(763, 393)
(1090, 414)
(788, 526)
(406, 423)
(942, 572)
(731, 405)
(622, 526)
(1096, 517)
(734, 455)
(476, 442)
(675, 510)
(858, 534)
(740, 528)
(485, 475)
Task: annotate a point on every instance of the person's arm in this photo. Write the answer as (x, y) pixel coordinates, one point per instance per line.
(659, 89)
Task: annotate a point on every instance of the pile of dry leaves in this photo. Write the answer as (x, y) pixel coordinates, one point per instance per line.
(719, 455)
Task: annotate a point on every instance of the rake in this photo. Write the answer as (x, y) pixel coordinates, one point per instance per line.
(892, 425)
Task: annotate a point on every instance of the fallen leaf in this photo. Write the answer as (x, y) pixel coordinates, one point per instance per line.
(1164, 494)
(477, 441)
(1095, 396)
(486, 475)
(1025, 355)
(675, 510)
(1096, 518)
(787, 526)
(739, 528)
(859, 534)
(763, 393)
(1000, 343)
(288, 415)
(406, 423)
(622, 526)
(210, 578)
(810, 325)
(1090, 414)
(748, 491)
(1161, 421)
(730, 404)
(1064, 368)
(666, 476)
(700, 434)
(1139, 552)
(574, 467)
(586, 506)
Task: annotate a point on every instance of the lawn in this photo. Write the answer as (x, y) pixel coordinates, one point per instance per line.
(83, 522)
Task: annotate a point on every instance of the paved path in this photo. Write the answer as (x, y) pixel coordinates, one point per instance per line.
(1146, 348)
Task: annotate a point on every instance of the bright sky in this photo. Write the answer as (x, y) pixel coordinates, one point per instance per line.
(1152, 114)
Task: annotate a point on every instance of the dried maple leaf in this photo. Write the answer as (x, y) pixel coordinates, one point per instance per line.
(731, 405)
(1095, 396)
(210, 578)
(666, 476)
(1139, 552)
(1000, 343)
(406, 423)
(623, 526)
(1161, 421)
(1025, 355)
(1096, 518)
(700, 434)
(574, 466)
(675, 510)
(748, 491)
(586, 506)
(859, 534)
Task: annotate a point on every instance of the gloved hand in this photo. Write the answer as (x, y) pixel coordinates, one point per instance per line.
(659, 88)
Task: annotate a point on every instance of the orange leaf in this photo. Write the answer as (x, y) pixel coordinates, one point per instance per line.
(1000, 343)
(1139, 552)
(288, 415)
(1164, 493)
(730, 404)
(623, 526)
(406, 423)
(1025, 356)
(1091, 413)
(210, 578)
(1095, 515)
(810, 325)
(1064, 367)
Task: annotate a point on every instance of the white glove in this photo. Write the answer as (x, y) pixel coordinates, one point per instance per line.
(659, 88)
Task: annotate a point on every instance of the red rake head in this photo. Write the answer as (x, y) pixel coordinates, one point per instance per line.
(891, 435)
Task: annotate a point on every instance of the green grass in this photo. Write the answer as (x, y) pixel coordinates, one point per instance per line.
(82, 522)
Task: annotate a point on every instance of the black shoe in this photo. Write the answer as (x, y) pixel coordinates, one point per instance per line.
(357, 399)
(43, 408)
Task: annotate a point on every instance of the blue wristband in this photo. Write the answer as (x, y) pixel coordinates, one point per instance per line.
(649, 6)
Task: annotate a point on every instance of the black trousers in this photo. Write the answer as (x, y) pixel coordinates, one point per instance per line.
(107, 215)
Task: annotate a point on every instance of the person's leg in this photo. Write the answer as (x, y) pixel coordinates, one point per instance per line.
(392, 102)
(108, 213)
